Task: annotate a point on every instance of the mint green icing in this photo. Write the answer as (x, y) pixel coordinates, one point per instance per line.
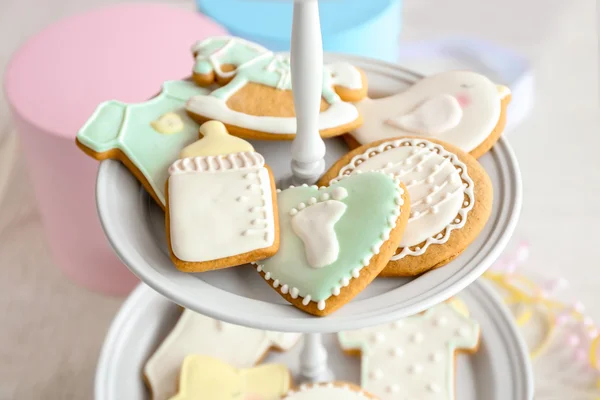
(127, 127)
(370, 204)
(254, 64)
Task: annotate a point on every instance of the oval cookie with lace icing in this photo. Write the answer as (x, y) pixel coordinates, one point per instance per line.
(335, 240)
(221, 209)
(462, 108)
(255, 100)
(329, 391)
(451, 197)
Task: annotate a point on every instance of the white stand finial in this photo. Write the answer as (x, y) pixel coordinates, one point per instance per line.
(308, 149)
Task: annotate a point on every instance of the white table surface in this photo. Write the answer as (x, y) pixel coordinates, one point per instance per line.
(51, 330)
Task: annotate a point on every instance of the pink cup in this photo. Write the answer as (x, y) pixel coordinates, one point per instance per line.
(54, 83)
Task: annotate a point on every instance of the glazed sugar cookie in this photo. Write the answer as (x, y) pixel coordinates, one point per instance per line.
(462, 108)
(413, 358)
(256, 100)
(335, 240)
(236, 345)
(205, 377)
(329, 391)
(146, 137)
(451, 197)
(221, 204)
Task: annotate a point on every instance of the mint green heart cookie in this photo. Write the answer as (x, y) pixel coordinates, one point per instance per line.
(329, 234)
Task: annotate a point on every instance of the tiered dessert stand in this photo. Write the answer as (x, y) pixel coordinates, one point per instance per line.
(134, 226)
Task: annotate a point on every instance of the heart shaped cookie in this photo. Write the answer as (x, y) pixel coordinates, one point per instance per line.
(451, 197)
(335, 240)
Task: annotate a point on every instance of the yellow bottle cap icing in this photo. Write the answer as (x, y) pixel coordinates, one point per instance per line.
(205, 377)
(215, 141)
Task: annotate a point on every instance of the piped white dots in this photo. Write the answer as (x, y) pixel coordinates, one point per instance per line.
(276, 283)
(306, 300)
(435, 209)
(428, 200)
(339, 193)
(312, 200)
(325, 197)
(375, 249)
(366, 261)
(394, 388)
(419, 168)
(435, 357)
(259, 268)
(285, 289)
(378, 337)
(293, 212)
(242, 199)
(441, 321)
(301, 206)
(355, 273)
(397, 352)
(294, 293)
(321, 305)
(376, 374)
(267, 275)
(417, 337)
(345, 282)
(433, 388)
(415, 369)
(335, 291)
(277, 190)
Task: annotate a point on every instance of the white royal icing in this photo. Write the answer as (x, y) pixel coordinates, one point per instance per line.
(431, 107)
(440, 189)
(256, 64)
(337, 114)
(220, 206)
(315, 226)
(197, 334)
(325, 392)
(435, 115)
(413, 358)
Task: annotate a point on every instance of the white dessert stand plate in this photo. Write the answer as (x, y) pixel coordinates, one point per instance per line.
(500, 370)
(135, 228)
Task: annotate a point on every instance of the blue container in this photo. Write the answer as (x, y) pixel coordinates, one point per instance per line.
(368, 28)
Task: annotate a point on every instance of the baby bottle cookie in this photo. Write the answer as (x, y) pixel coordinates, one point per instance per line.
(256, 100)
(146, 137)
(205, 377)
(335, 240)
(414, 358)
(451, 197)
(462, 108)
(221, 204)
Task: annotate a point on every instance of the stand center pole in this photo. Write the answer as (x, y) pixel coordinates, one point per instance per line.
(308, 149)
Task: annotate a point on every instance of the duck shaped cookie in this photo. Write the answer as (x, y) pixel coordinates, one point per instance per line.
(462, 108)
(221, 206)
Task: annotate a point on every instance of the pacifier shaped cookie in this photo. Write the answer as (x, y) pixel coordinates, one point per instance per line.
(256, 100)
(205, 377)
(414, 358)
(221, 204)
(147, 137)
(335, 240)
(451, 197)
(462, 108)
(329, 391)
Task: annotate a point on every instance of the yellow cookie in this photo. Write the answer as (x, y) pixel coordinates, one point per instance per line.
(209, 378)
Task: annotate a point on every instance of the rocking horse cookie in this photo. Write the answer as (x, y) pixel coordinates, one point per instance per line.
(146, 137)
(450, 194)
(221, 205)
(205, 377)
(335, 240)
(255, 100)
(462, 108)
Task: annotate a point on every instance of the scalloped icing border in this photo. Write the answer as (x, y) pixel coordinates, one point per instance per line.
(442, 236)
